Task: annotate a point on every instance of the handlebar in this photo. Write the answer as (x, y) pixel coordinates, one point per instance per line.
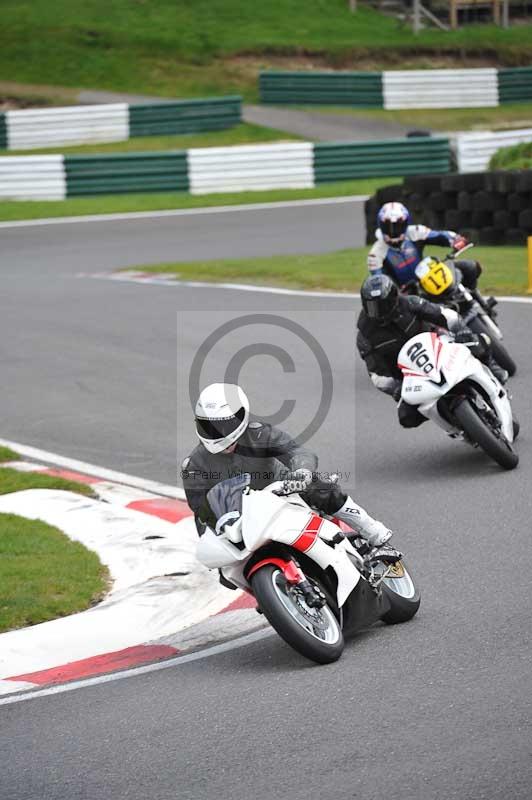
(455, 253)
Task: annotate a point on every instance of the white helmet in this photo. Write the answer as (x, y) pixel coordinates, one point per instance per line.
(222, 416)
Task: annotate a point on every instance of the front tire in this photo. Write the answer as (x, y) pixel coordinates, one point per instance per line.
(499, 449)
(315, 633)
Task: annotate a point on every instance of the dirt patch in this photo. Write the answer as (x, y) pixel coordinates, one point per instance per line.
(12, 103)
(19, 95)
(250, 65)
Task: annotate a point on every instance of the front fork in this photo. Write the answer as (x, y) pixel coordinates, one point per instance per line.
(295, 577)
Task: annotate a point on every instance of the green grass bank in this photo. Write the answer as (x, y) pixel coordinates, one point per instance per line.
(505, 270)
(43, 574)
(184, 49)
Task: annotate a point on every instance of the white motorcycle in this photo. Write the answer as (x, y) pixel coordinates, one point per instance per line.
(311, 582)
(455, 390)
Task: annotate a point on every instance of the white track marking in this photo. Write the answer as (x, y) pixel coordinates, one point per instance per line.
(184, 212)
(162, 280)
(91, 469)
(250, 638)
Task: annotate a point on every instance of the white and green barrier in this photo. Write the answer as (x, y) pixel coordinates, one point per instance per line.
(473, 151)
(114, 122)
(396, 89)
(293, 165)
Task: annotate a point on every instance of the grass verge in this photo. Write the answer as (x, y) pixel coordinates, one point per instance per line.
(43, 574)
(6, 454)
(244, 133)
(112, 204)
(11, 480)
(517, 157)
(505, 270)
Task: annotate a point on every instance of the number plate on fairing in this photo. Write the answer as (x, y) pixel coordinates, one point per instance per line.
(419, 357)
(434, 276)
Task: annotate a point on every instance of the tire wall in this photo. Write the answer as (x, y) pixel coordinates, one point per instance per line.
(488, 207)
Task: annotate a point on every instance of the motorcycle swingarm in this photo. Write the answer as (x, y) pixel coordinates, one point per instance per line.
(366, 605)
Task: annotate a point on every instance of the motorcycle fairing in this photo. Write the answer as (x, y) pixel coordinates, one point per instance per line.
(268, 517)
(450, 363)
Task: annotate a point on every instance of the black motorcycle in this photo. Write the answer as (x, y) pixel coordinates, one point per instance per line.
(441, 282)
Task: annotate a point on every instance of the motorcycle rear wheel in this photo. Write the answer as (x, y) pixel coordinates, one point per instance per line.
(498, 350)
(402, 595)
(315, 633)
(499, 449)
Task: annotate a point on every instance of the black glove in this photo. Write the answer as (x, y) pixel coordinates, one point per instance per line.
(465, 336)
(478, 344)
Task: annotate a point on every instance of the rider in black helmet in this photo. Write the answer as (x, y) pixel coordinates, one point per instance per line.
(387, 321)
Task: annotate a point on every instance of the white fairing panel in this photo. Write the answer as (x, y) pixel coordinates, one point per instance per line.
(216, 551)
(432, 366)
(267, 517)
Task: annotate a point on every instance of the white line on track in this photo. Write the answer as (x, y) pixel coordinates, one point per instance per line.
(184, 212)
(162, 280)
(250, 638)
(91, 469)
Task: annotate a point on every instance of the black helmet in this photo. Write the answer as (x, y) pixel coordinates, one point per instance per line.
(379, 297)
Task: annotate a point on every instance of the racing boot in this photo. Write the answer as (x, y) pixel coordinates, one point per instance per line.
(374, 532)
(501, 374)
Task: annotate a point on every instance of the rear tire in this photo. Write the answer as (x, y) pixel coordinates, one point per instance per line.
(498, 350)
(403, 597)
(497, 448)
(315, 633)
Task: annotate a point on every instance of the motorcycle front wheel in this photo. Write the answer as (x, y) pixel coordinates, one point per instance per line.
(316, 633)
(497, 447)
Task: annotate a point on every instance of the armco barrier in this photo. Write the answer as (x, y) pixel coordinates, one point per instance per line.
(224, 169)
(473, 151)
(113, 122)
(489, 207)
(445, 88)
(32, 178)
(515, 85)
(337, 162)
(132, 172)
(338, 88)
(395, 89)
(184, 117)
(47, 127)
(3, 131)
(219, 169)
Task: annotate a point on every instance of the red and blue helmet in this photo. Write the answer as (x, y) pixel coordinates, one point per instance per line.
(393, 219)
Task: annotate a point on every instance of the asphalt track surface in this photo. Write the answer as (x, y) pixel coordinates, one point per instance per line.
(437, 708)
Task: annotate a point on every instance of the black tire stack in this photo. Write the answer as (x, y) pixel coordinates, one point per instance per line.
(487, 207)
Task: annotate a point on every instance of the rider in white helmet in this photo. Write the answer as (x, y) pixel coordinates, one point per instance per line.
(231, 445)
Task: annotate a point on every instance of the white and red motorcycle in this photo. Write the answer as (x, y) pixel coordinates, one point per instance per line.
(311, 582)
(455, 390)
